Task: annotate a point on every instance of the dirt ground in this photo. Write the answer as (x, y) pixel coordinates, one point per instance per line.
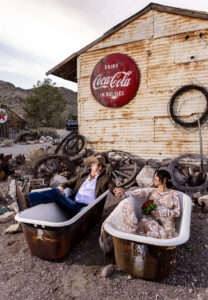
(78, 276)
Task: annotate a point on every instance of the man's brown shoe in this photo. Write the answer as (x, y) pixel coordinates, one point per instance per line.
(21, 201)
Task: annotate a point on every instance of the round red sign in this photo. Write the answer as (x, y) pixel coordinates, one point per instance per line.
(115, 80)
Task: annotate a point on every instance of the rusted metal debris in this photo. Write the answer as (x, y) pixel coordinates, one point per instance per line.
(187, 175)
(20, 159)
(8, 165)
(123, 168)
(188, 171)
(34, 184)
(6, 168)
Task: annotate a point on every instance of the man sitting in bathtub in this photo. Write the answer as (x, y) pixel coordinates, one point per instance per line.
(87, 186)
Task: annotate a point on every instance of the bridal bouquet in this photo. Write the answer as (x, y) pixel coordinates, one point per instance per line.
(148, 207)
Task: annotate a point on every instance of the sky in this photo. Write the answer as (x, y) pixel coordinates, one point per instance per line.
(36, 35)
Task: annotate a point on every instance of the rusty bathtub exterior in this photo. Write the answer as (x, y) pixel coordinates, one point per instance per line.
(143, 260)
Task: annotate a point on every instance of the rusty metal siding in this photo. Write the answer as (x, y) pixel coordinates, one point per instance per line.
(143, 126)
(166, 77)
(123, 130)
(149, 149)
(192, 46)
(137, 108)
(166, 24)
(164, 127)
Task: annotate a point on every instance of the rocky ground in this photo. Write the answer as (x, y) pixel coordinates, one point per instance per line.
(78, 276)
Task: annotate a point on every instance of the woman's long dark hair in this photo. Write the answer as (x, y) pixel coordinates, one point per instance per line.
(162, 174)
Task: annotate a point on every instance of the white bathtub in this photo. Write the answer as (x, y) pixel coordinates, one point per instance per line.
(151, 258)
(50, 234)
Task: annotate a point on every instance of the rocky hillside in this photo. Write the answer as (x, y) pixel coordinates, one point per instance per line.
(14, 98)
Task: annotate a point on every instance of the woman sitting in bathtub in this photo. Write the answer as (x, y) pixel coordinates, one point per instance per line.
(124, 218)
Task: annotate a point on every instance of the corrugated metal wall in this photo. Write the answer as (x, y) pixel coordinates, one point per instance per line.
(179, 56)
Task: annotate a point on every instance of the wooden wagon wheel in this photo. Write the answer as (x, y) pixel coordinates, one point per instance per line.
(72, 144)
(51, 165)
(123, 168)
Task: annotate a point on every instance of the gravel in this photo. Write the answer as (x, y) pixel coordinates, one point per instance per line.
(78, 276)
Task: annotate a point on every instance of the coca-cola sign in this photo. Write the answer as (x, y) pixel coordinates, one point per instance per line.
(115, 80)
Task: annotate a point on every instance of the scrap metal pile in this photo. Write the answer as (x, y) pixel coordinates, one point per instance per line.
(188, 172)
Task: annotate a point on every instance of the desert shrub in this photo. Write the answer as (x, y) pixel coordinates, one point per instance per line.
(8, 143)
(32, 157)
(48, 131)
(36, 133)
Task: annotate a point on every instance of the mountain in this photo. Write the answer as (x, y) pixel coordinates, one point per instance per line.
(14, 98)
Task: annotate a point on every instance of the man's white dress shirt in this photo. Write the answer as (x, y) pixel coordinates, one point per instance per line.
(86, 193)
